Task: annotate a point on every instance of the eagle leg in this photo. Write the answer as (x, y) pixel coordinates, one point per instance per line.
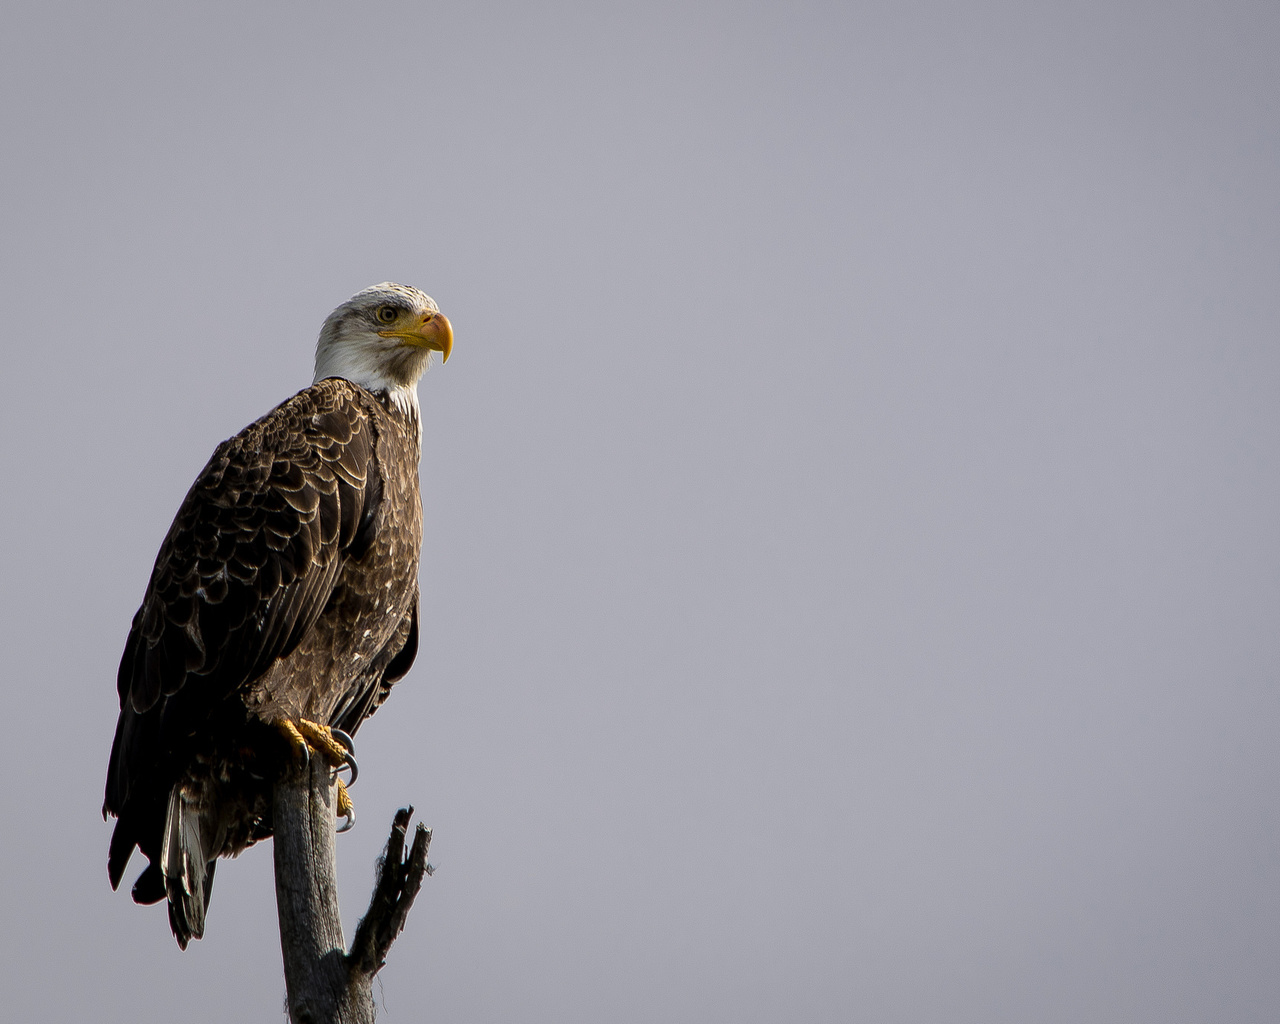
(345, 807)
(334, 744)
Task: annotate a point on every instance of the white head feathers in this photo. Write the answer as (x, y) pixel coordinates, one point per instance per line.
(382, 339)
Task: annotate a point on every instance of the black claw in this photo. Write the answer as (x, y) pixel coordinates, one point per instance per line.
(350, 817)
(350, 759)
(355, 769)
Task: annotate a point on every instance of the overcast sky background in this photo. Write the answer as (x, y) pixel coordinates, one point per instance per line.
(851, 576)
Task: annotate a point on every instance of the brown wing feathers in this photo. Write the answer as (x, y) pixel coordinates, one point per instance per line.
(245, 570)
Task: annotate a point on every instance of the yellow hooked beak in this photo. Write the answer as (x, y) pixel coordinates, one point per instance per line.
(431, 330)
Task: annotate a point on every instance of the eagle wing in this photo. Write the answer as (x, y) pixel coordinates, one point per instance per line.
(246, 569)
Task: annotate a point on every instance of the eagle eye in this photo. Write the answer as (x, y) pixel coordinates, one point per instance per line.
(386, 314)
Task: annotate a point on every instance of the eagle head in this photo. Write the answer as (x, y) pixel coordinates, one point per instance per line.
(382, 338)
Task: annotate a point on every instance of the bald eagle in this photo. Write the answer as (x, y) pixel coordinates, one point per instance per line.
(282, 607)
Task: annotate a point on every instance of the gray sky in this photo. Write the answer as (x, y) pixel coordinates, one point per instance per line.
(851, 575)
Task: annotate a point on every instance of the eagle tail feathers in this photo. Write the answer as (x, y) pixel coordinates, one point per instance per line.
(122, 844)
(149, 886)
(187, 865)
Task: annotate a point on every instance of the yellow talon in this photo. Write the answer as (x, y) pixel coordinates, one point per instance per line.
(295, 739)
(305, 736)
(320, 738)
(346, 809)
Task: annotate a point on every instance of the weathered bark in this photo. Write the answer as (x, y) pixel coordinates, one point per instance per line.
(324, 984)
